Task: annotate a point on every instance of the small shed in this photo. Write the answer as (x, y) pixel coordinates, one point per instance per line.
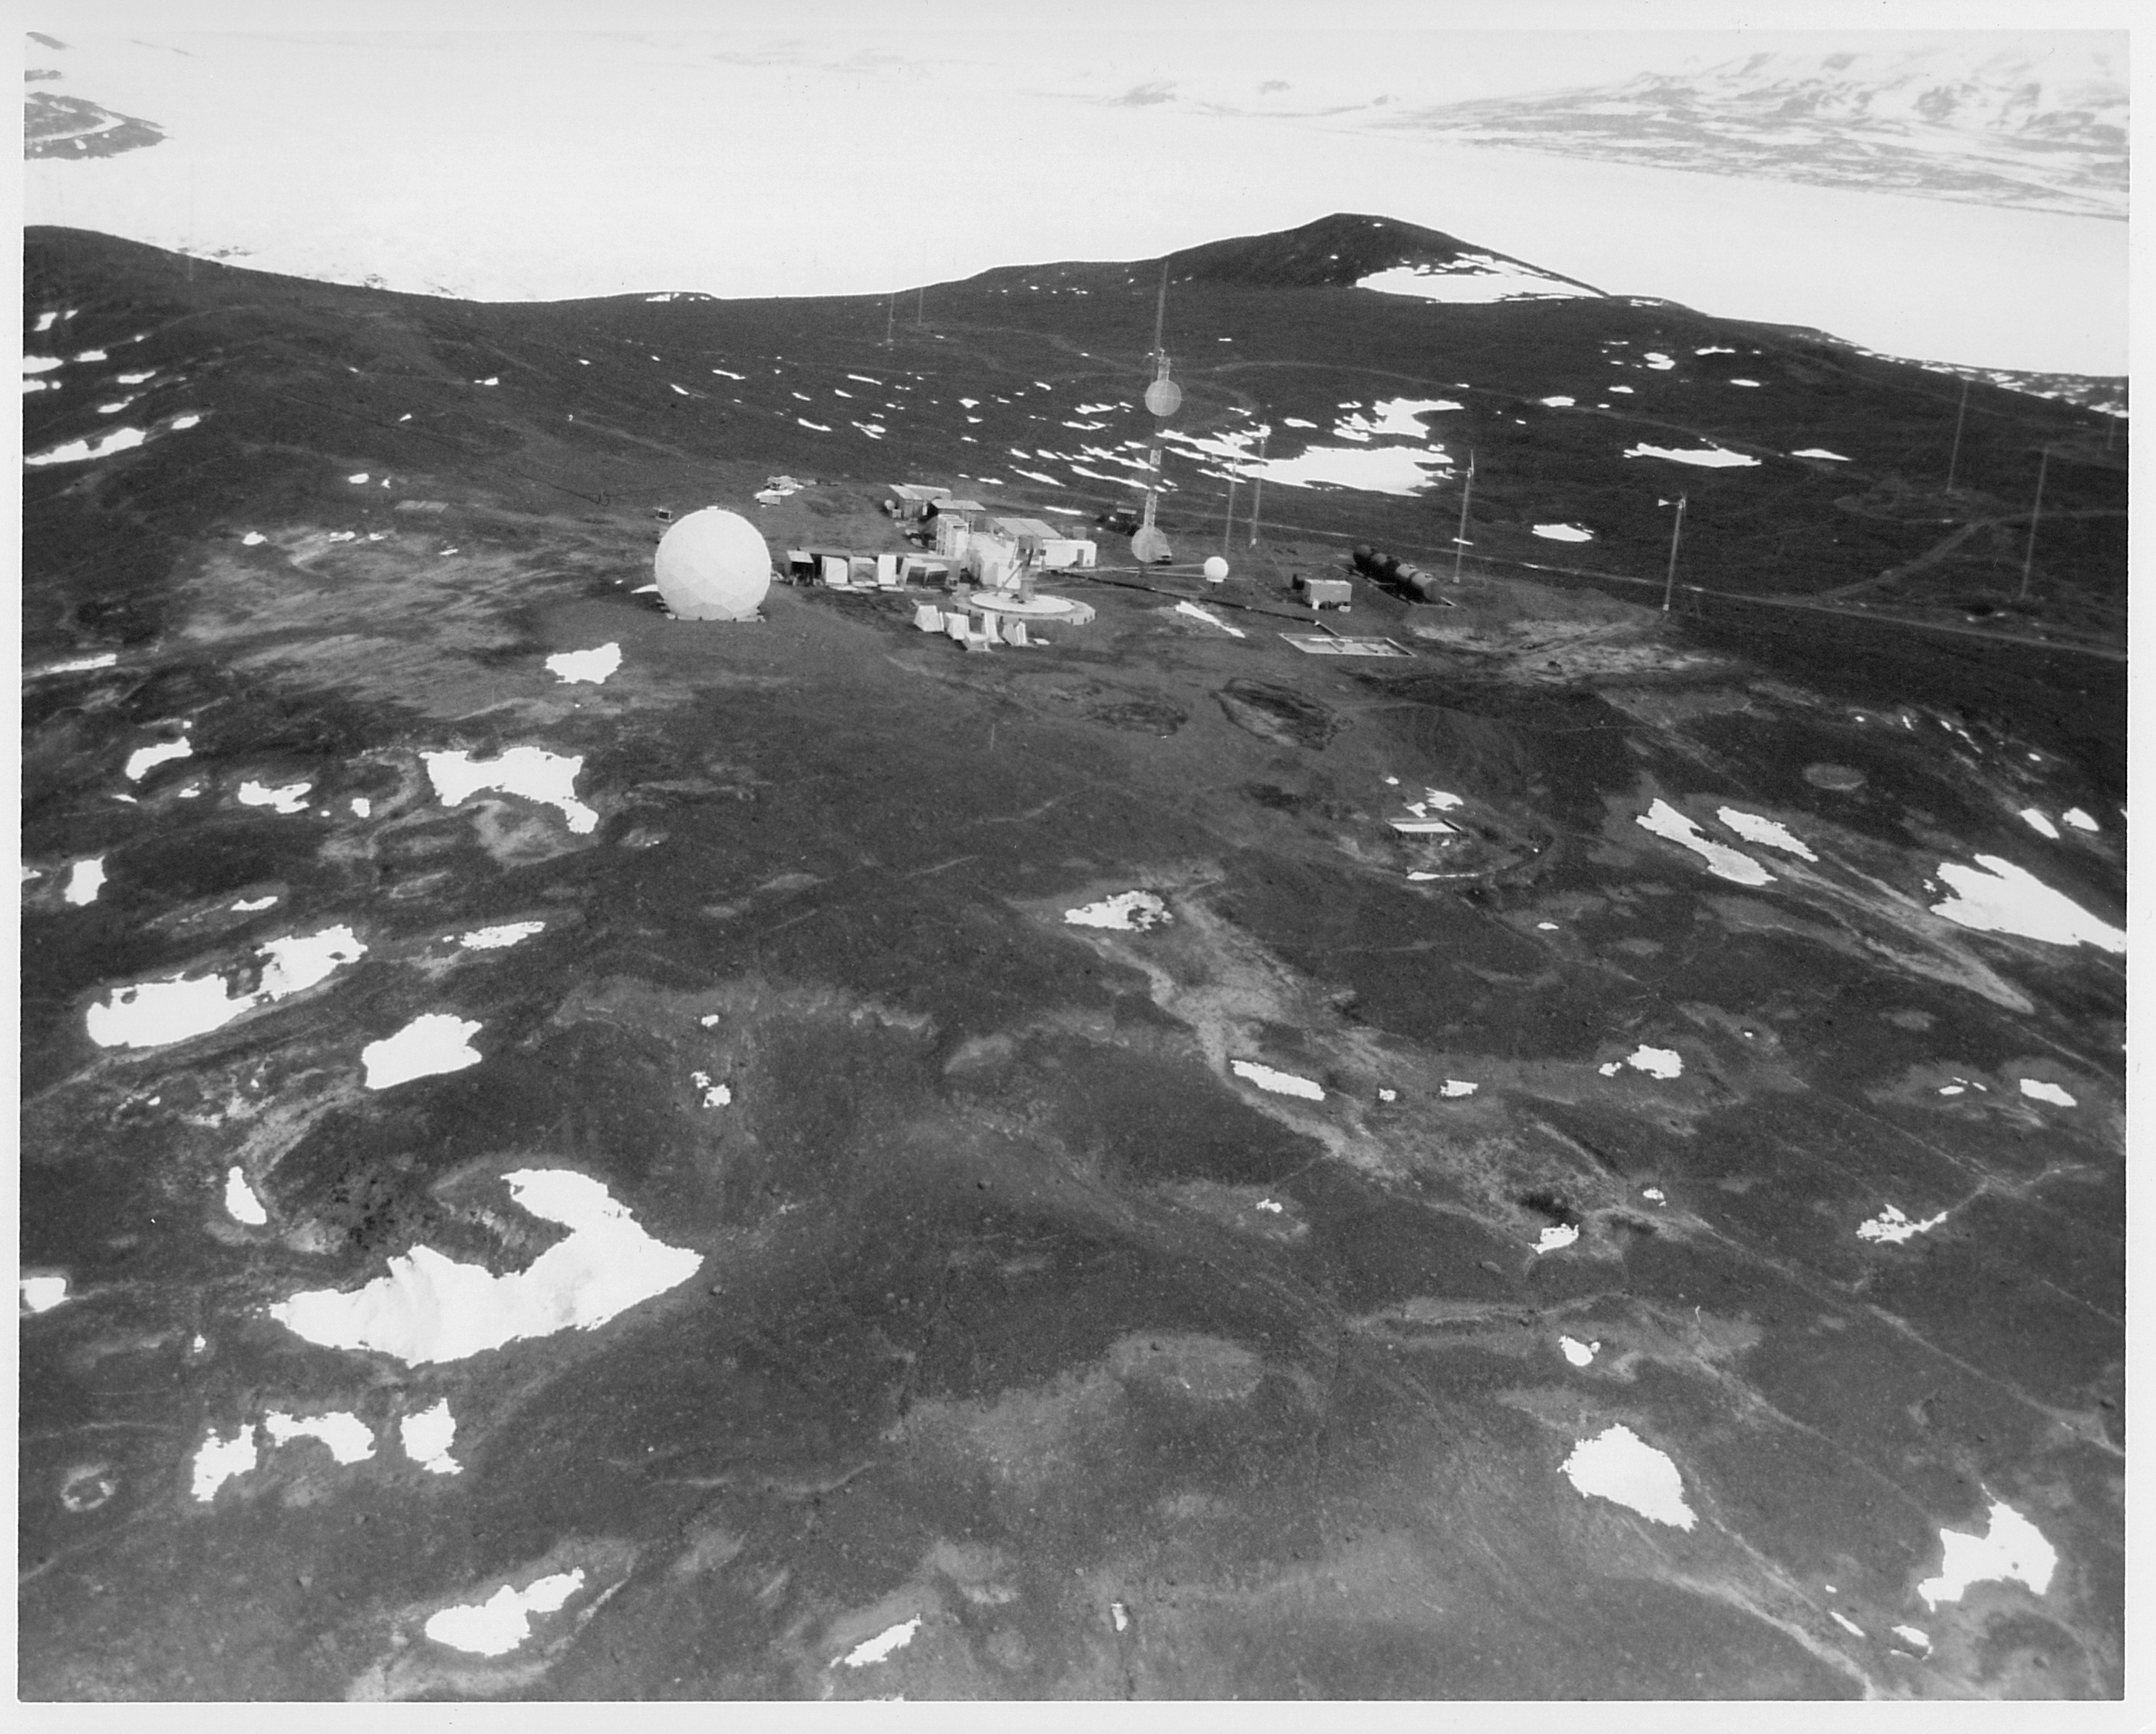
(915, 498)
(1069, 551)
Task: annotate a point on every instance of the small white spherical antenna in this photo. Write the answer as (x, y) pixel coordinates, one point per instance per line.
(1163, 397)
(713, 565)
(1216, 569)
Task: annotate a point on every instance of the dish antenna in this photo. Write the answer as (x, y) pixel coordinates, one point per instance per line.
(1164, 398)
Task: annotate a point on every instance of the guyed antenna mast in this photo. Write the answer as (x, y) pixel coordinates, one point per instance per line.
(1163, 397)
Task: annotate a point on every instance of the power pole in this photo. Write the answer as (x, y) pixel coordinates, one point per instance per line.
(1460, 542)
(1670, 584)
(1228, 524)
(920, 308)
(1160, 310)
(889, 313)
(1954, 462)
(1258, 485)
(2034, 512)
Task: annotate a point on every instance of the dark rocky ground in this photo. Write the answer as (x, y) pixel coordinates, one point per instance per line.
(1021, 1314)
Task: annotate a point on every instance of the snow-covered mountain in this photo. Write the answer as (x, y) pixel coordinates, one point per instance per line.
(2043, 127)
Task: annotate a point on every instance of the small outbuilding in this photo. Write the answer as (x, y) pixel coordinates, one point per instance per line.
(916, 500)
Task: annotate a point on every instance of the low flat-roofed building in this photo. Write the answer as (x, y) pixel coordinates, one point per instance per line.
(914, 498)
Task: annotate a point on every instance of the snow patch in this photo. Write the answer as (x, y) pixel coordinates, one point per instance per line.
(1455, 1087)
(496, 938)
(502, 1621)
(1663, 1063)
(1401, 470)
(1709, 457)
(240, 1203)
(152, 1014)
(142, 759)
(349, 1439)
(430, 1307)
(1579, 1353)
(1893, 1228)
(85, 879)
(2034, 818)
(1557, 1236)
(1194, 612)
(2037, 1090)
(1395, 418)
(532, 772)
(291, 798)
(431, 1044)
(219, 1460)
(2011, 1550)
(427, 1436)
(884, 1643)
(2080, 819)
(40, 1294)
(1617, 1464)
(1755, 829)
(592, 666)
(1565, 532)
(1127, 912)
(1996, 897)
(1471, 279)
(1280, 1083)
(1724, 863)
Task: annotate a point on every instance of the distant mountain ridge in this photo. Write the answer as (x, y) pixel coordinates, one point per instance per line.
(1338, 251)
(2045, 130)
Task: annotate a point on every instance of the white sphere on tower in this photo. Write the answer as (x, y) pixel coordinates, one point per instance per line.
(1216, 569)
(713, 565)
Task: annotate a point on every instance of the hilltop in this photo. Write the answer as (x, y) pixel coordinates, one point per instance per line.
(1576, 1151)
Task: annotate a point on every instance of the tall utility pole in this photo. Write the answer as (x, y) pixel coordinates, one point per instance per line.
(1160, 311)
(1258, 485)
(2034, 512)
(1460, 542)
(889, 313)
(1677, 530)
(1954, 462)
(920, 307)
(1228, 524)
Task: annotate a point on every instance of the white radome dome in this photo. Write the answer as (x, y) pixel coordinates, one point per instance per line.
(713, 565)
(1216, 569)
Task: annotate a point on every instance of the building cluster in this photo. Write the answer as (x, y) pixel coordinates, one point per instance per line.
(983, 547)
